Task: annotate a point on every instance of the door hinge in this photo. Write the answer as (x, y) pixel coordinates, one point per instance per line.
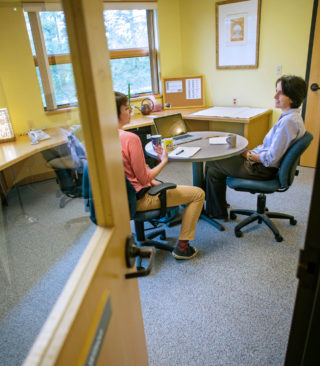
(308, 267)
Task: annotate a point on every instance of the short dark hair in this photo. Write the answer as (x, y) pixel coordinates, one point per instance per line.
(121, 99)
(293, 87)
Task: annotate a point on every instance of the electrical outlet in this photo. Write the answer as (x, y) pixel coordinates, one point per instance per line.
(278, 69)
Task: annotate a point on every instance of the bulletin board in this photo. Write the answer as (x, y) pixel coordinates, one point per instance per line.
(183, 92)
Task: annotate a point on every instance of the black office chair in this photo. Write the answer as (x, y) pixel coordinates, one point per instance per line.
(139, 217)
(67, 162)
(281, 183)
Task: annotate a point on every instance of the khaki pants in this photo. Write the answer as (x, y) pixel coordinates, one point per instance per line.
(193, 197)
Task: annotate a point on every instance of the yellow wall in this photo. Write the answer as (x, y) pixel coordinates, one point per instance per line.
(187, 47)
(284, 37)
(171, 63)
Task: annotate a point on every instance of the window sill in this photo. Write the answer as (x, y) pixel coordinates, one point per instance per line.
(64, 109)
(140, 97)
(61, 110)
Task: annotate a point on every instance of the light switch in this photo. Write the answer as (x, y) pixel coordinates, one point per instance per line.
(278, 69)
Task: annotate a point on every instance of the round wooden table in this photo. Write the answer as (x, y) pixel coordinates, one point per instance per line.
(207, 152)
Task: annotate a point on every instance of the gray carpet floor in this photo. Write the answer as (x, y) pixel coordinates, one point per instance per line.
(231, 305)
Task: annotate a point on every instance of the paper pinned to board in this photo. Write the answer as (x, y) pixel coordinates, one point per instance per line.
(183, 152)
(218, 140)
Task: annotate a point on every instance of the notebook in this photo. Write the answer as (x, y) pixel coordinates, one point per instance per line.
(174, 126)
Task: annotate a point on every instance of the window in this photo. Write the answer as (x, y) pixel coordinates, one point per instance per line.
(131, 41)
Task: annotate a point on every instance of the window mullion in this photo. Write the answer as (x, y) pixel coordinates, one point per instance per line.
(42, 60)
(129, 52)
(152, 52)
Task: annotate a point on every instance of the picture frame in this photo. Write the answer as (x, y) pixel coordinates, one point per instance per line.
(237, 34)
(6, 131)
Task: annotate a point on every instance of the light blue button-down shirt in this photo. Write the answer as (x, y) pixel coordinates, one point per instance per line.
(288, 129)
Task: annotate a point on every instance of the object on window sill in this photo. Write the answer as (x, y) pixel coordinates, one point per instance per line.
(6, 131)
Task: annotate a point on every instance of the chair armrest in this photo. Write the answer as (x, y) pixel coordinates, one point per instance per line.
(160, 188)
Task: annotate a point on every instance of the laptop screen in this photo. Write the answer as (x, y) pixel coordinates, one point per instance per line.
(170, 126)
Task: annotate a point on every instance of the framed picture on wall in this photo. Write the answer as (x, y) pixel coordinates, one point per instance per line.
(237, 34)
(6, 132)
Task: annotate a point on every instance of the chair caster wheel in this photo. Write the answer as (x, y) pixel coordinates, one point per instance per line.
(238, 233)
(279, 238)
(259, 221)
(233, 216)
(163, 236)
(293, 222)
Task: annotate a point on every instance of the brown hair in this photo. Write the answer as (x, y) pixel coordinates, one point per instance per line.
(293, 87)
(121, 99)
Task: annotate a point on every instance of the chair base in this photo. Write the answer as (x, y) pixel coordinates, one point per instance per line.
(147, 241)
(265, 217)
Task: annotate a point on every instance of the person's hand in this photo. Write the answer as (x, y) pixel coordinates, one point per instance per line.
(162, 153)
(246, 154)
(158, 149)
(155, 182)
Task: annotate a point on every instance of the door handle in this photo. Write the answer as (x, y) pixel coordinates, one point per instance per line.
(132, 251)
(314, 87)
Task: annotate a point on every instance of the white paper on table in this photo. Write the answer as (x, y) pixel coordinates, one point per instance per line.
(183, 152)
(218, 140)
(230, 112)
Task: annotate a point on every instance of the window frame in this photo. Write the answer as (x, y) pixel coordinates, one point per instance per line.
(44, 61)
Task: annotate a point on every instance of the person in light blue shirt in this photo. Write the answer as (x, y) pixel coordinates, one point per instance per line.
(263, 161)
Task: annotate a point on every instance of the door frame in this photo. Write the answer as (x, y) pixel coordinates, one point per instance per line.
(304, 339)
(310, 48)
(67, 336)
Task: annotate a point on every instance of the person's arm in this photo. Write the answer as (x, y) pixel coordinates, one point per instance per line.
(282, 138)
(163, 155)
(251, 156)
(141, 171)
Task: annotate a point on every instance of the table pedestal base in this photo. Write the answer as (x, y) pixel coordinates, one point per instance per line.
(212, 221)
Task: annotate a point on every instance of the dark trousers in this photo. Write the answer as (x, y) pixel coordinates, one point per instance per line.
(216, 173)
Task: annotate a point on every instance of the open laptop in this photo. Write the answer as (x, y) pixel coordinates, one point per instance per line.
(174, 126)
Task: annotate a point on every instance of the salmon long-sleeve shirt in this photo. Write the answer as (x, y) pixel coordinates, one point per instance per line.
(135, 167)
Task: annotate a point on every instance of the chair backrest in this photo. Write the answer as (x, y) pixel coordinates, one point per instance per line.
(67, 161)
(132, 199)
(291, 159)
(87, 195)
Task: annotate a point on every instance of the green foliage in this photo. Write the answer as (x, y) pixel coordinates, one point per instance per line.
(54, 32)
(135, 71)
(124, 29)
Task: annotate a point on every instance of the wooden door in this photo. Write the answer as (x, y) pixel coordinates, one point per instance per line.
(97, 319)
(312, 118)
(304, 340)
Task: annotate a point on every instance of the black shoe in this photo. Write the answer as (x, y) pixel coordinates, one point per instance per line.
(189, 253)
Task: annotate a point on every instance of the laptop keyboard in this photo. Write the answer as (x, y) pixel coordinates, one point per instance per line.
(182, 136)
(185, 139)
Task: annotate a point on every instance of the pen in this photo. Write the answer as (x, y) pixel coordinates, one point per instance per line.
(211, 137)
(180, 152)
